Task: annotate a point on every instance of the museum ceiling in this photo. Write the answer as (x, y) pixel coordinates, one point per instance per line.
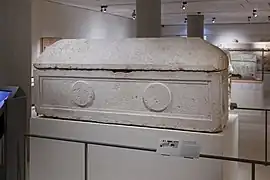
(224, 11)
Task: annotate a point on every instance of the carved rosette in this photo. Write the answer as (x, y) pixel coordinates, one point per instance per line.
(157, 97)
(82, 94)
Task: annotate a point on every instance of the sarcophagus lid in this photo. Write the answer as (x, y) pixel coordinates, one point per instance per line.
(173, 83)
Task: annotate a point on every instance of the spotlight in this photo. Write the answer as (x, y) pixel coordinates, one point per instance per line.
(185, 21)
(134, 15)
(103, 8)
(254, 13)
(184, 5)
(268, 18)
(199, 13)
(213, 20)
(249, 18)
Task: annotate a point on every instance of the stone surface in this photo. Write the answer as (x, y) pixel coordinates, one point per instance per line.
(141, 54)
(82, 94)
(157, 97)
(77, 79)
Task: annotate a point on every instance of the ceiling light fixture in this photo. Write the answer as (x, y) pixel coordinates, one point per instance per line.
(103, 8)
(249, 18)
(185, 21)
(213, 20)
(199, 13)
(134, 15)
(184, 5)
(254, 13)
(268, 18)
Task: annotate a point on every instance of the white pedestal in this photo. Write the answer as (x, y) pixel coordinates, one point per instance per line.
(53, 160)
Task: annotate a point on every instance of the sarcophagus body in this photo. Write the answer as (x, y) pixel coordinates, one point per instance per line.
(172, 83)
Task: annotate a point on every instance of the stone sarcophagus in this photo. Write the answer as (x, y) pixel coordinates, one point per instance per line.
(172, 83)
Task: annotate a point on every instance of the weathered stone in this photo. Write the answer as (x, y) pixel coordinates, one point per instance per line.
(173, 83)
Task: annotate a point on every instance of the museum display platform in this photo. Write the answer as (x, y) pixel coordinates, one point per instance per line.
(65, 160)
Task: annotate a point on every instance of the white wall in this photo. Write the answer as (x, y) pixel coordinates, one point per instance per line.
(57, 20)
(227, 33)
